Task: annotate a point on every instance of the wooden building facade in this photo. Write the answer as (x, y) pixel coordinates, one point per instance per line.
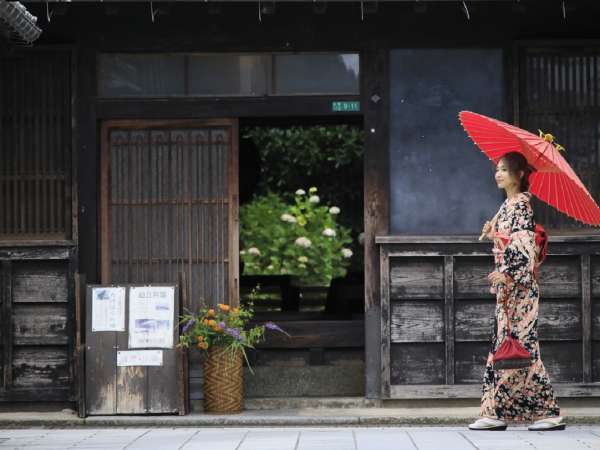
(138, 182)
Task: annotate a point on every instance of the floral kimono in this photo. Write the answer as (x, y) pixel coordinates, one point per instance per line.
(517, 394)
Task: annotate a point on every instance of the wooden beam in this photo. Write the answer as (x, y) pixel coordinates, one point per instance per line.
(586, 317)
(374, 60)
(7, 335)
(316, 333)
(385, 324)
(449, 317)
(86, 143)
(199, 108)
(442, 391)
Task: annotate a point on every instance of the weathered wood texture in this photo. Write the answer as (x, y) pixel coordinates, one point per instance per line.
(442, 314)
(374, 60)
(35, 146)
(37, 329)
(168, 189)
(112, 389)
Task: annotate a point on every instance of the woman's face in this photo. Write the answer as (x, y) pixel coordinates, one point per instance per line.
(504, 178)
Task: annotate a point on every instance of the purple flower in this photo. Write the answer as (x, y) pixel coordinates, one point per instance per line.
(234, 332)
(188, 325)
(222, 325)
(272, 326)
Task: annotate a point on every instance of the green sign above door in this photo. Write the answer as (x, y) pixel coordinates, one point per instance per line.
(345, 106)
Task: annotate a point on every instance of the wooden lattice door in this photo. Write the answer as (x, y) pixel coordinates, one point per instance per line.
(169, 205)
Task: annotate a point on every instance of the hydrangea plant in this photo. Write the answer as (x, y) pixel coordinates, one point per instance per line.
(301, 239)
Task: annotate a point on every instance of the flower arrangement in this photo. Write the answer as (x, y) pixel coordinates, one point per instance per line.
(302, 239)
(223, 326)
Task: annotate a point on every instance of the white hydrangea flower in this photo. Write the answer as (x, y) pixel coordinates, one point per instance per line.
(334, 210)
(330, 232)
(300, 192)
(314, 199)
(361, 238)
(302, 259)
(302, 266)
(312, 190)
(270, 267)
(288, 218)
(303, 242)
(346, 252)
(242, 252)
(254, 251)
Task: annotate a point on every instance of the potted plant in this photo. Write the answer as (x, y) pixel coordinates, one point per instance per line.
(222, 333)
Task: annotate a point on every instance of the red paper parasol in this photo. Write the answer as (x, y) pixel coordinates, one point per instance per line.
(553, 180)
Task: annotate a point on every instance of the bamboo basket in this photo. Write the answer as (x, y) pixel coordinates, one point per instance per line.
(223, 381)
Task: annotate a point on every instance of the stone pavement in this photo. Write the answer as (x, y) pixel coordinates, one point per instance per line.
(298, 438)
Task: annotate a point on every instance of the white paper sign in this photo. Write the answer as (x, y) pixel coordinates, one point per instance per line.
(151, 317)
(140, 358)
(108, 309)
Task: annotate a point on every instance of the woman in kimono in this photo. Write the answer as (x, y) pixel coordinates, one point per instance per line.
(516, 395)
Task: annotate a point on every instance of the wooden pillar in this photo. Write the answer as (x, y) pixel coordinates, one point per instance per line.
(375, 105)
(86, 149)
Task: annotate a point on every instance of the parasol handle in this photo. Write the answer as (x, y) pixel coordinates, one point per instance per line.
(492, 222)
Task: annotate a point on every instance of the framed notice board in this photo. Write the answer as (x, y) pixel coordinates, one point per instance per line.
(132, 364)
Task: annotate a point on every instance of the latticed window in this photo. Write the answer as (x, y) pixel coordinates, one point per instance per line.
(560, 94)
(35, 146)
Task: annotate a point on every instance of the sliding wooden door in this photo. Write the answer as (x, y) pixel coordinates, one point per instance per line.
(169, 204)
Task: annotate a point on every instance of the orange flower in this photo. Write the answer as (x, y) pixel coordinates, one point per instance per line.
(200, 338)
(202, 345)
(211, 313)
(235, 310)
(211, 323)
(223, 307)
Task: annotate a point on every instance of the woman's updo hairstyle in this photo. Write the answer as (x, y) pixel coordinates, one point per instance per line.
(516, 163)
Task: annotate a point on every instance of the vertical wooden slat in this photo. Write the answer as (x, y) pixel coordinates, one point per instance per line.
(105, 210)
(233, 215)
(202, 225)
(385, 323)
(586, 317)
(37, 143)
(79, 344)
(449, 317)
(7, 335)
(21, 155)
(51, 138)
(14, 147)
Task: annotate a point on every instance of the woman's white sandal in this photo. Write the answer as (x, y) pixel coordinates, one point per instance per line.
(548, 424)
(487, 424)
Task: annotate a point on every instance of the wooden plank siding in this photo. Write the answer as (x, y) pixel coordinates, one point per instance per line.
(37, 324)
(440, 318)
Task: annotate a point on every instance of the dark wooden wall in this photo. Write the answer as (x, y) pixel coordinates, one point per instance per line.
(437, 315)
(37, 292)
(38, 227)
(193, 26)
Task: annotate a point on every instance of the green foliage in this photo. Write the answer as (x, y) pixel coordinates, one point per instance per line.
(302, 238)
(326, 156)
